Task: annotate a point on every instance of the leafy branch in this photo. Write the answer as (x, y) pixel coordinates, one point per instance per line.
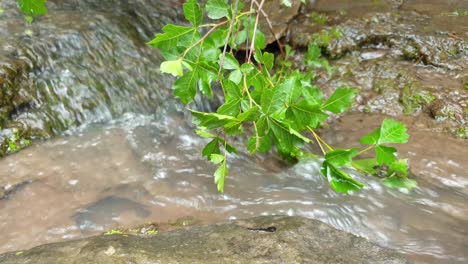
(266, 99)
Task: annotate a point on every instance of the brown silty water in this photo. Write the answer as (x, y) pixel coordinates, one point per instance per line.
(134, 168)
(139, 170)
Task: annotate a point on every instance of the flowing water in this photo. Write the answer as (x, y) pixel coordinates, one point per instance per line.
(129, 154)
(141, 168)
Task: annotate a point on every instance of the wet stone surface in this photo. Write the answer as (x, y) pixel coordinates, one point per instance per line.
(287, 240)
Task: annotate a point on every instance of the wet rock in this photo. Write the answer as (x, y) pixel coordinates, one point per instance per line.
(448, 109)
(83, 62)
(100, 215)
(269, 239)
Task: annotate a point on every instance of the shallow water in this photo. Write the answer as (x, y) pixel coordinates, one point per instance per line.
(138, 169)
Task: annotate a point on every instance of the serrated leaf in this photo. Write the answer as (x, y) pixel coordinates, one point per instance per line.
(211, 148)
(186, 87)
(312, 95)
(285, 137)
(33, 7)
(228, 62)
(235, 76)
(220, 176)
(392, 131)
(291, 89)
(339, 180)
(385, 154)
(398, 182)
(251, 114)
(371, 138)
(301, 115)
(204, 134)
(171, 33)
(262, 144)
(230, 148)
(192, 12)
(211, 120)
(172, 67)
(247, 68)
(217, 9)
(266, 58)
(231, 107)
(272, 100)
(340, 100)
(217, 158)
(399, 168)
(367, 166)
(313, 52)
(341, 157)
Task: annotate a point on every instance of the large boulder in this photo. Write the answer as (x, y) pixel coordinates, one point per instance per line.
(266, 239)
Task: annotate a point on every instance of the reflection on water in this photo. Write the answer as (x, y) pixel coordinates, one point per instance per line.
(137, 170)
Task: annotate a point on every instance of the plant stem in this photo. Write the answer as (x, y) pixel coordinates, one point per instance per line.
(365, 150)
(319, 139)
(226, 40)
(254, 33)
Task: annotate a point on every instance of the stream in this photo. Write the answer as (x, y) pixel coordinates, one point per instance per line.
(116, 152)
(140, 168)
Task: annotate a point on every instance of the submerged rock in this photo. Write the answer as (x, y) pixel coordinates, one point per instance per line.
(267, 239)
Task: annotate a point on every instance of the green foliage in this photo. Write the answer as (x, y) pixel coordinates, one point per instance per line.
(32, 8)
(273, 104)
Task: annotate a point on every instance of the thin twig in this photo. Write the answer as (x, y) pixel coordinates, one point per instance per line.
(254, 33)
(320, 139)
(226, 40)
(270, 26)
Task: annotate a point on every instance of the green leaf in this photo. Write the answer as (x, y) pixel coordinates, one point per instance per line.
(260, 42)
(228, 62)
(368, 166)
(385, 154)
(2, 11)
(301, 115)
(251, 114)
(262, 144)
(312, 94)
(235, 76)
(172, 67)
(172, 34)
(186, 87)
(33, 7)
(29, 19)
(204, 134)
(193, 12)
(217, 158)
(272, 100)
(340, 100)
(285, 137)
(217, 9)
(266, 58)
(220, 176)
(247, 68)
(339, 180)
(286, 3)
(291, 89)
(372, 138)
(392, 131)
(313, 52)
(233, 99)
(211, 120)
(231, 107)
(398, 182)
(211, 148)
(341, 157)
(399, 168)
